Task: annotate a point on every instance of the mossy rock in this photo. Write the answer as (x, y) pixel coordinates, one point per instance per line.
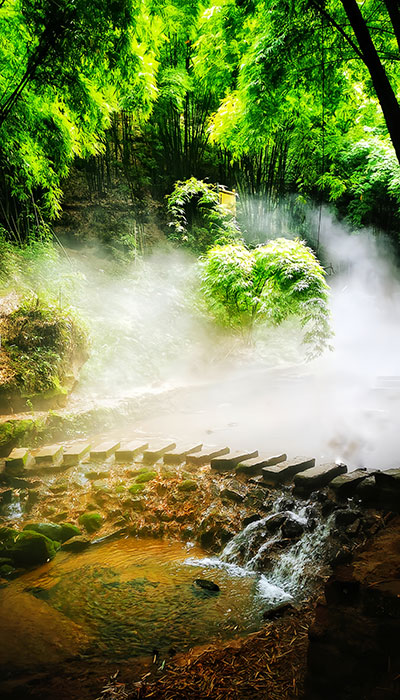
(7, 536)
(101, 486)
(91, 521)
(168, 473)
(76, 544)
(187, 485)
(146, 476)
(6, 569)
(120, 488)
(32, 548)
(57, 532)
(136, 488)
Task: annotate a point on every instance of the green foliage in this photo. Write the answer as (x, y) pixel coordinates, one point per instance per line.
(41, 342)
(269, 284)
(197, 219)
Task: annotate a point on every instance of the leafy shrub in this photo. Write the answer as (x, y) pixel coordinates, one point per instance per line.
(198, 221)
(270, 283)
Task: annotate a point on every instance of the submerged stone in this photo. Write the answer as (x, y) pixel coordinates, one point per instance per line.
(136, 488)
(146, 476)
(91, 521)
(187, 485)
(76, 544)
(207, 585)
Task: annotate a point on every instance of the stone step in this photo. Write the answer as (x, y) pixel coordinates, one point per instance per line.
(157, 450)
(49, 455)
(284, 471)
(253, 467)
(104, 450)
(128, 450)
(388, 479)
(18, 460)
(345, 484)
(208, 453)
(179, 455)
(76, 453)
(317, 477)
(226, 464)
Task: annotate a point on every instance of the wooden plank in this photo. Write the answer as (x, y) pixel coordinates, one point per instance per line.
(253, 467)
(178, 455)
(226, 464)
(284, 471)
(206, 455)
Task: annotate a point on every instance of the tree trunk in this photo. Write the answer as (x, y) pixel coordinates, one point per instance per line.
(384, 91)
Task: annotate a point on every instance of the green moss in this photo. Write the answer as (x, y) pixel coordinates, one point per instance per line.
(146, 476)
(120, 488)
(33, 548)
(187, 485)
(91, 521)
(7, 537)
(58, 532)
(136, 488)
(40, 343)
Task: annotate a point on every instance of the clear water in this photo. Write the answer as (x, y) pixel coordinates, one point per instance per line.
(129, 598)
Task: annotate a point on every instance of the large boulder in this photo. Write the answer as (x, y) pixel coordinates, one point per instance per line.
(58, 532)
(31, 548)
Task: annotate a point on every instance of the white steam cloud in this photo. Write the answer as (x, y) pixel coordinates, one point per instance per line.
(147, 333)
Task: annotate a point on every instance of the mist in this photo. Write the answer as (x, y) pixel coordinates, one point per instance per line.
(148, 335)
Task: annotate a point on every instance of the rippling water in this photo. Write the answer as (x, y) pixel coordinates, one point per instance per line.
(128, 598)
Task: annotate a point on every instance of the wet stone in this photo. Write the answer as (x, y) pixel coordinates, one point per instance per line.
(104, 450)
(5, 496)
(76, 453)
(234, 491)
(206, 455)
(253, 518)
(226, 464)
(179, 455)
(18, 460)
(284, 471)
(207, 585)
(157, 450)
(51, 455)
(253, 467)
(76, 544)
(128, 450)
(317, 477)
(345, 484)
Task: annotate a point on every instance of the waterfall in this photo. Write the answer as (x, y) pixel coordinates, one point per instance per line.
(283, 569)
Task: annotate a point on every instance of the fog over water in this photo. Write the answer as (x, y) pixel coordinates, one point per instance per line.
(149, 335)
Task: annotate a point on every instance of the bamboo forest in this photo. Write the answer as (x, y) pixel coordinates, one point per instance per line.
(199, 349)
